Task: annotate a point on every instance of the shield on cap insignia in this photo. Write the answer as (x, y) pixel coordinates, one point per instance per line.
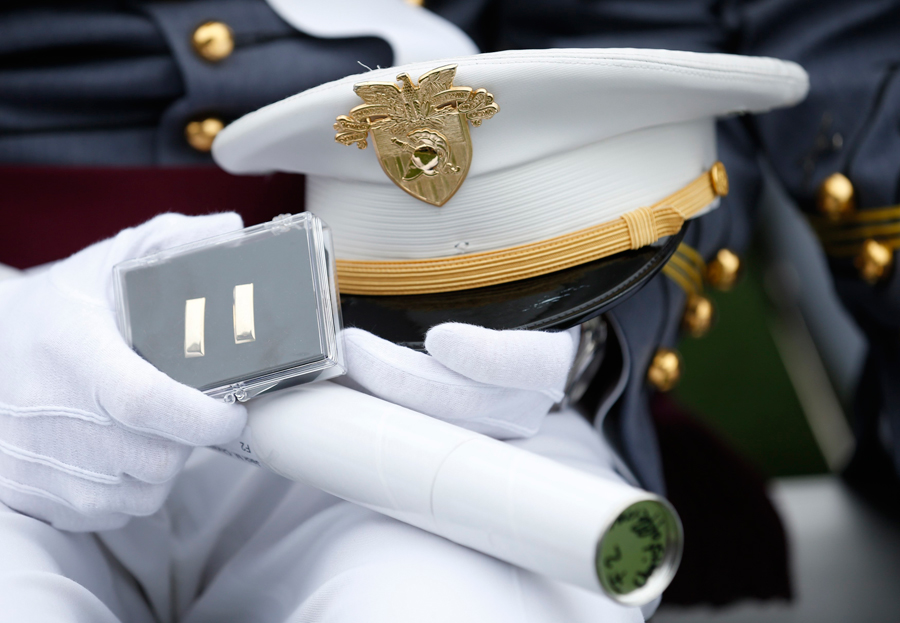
(421, 133)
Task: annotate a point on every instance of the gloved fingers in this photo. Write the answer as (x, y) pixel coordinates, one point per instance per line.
(168, 230)
(140, 397)
(121, 425)
(532, 360)
(85, 497)
(130, 497)
(535, 360)
(87, 275)
(520, 416)
(104, 453)
(155, 463)
(499, 412)
(152, 403)
(381, 352)
(97, 371)
(60, 516)
(417, 381)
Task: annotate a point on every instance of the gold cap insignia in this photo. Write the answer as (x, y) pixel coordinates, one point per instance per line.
(421, 133)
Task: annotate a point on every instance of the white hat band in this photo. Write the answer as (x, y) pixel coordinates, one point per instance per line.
(556, 195)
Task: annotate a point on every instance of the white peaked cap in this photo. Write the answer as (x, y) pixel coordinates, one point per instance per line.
(582, 137)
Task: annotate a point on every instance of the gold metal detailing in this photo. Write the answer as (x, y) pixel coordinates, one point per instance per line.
(421, 133)
(416, 2)
(642, 227)
(836, 198)
(719, 177)
(194, 327)
(723, 270)
(476, 270)
(686, 268)
(665, 369)
(699, 314)
(874, 261)
(201, 134)
(213, 41)
(242, 311)
(846, 236)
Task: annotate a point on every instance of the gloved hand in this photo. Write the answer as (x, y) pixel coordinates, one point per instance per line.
(90, 433)
(500, 383)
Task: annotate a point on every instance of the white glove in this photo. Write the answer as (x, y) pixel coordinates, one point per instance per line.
(500, 383)
(90, 433)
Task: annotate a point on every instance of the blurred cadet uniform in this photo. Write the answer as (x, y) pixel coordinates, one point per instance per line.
(124, 86)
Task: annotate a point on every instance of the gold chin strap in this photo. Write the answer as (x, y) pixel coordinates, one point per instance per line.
(633, 230)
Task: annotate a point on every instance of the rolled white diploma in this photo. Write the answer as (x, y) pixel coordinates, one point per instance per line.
(495, 498)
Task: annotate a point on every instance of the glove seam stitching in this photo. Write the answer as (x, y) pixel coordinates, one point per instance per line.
(48, 411)
(32, 457)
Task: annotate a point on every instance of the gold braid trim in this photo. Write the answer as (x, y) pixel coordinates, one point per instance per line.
(447, 274)
(686, 268)
(845, 237)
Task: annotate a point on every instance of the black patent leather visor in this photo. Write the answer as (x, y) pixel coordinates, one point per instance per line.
(550, 302)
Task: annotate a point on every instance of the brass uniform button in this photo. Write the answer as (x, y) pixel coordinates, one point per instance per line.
(213, 41)
(699, 314)
(200, 134)
(723, 271)
(874, 261)
(665, 369)
(836, 197)
(719, 178)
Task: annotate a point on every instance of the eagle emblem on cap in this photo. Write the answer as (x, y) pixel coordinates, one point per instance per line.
(421, 133)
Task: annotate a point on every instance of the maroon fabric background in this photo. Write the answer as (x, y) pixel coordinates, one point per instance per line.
(48, 213)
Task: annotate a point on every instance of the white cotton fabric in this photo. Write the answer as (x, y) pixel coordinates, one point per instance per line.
(499, 383)
(551, 102)
(590, 185)
(594, 133)
(90, 433)
(238, 543)
(414, 33)
(93, 435)
(7, 272)
(49, 576)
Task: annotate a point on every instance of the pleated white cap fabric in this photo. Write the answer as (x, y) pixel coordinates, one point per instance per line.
(582, 137)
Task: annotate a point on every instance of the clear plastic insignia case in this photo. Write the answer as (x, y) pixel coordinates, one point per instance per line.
(238, 314)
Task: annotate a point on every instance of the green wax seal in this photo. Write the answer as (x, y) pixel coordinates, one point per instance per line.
(640, 552)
